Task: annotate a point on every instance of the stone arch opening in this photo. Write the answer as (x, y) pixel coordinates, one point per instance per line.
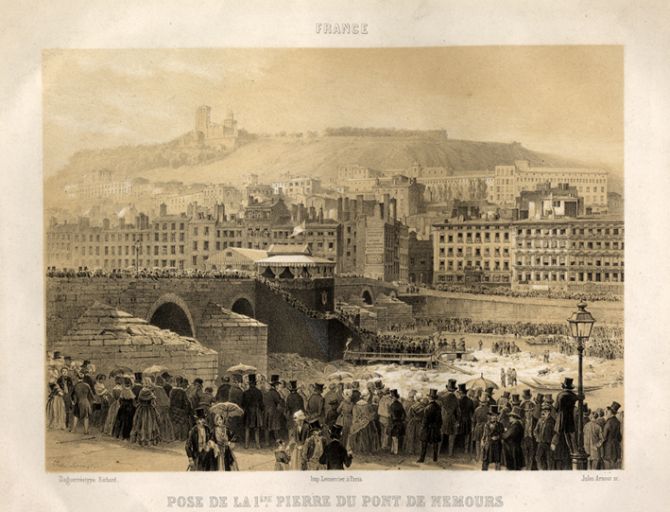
(242, 306)
(171, 316)
(366, 296)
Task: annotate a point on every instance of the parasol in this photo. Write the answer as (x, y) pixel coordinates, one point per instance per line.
(481, 383)
(226, 410)
(341, 376)
(153, 369)
(120, 370)
(370, 375)
(242, 369)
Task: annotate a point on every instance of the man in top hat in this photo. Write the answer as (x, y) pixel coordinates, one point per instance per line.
(332, 394)
(512, 439)
(316, 404)
(198, 448)
(612, 453)
(82, 400)
(488, 398)
(397, 417)
(252, 403)
(335, 455)
(504, 399)
(466, 407)
(544, 433)
(294, 403)
(355, 391)
(314, 447)
(223, 392)
(273, 406)
(492, 440)
(431, 427)
(479, 419)
(384, 414)
(450, 415)
(529, 422)
(565, 408)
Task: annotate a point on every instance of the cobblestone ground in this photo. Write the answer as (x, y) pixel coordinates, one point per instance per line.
(70, 452)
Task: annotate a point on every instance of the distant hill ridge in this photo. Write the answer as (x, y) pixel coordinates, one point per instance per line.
(318, 156)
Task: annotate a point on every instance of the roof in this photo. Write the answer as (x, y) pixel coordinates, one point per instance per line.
(302, 249)
(238, 253)
(294, 260)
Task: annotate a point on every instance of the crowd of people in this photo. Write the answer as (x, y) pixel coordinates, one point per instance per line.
(314, 426)
(394, 343)
(147, 273)
(505, 348)
(506, 291)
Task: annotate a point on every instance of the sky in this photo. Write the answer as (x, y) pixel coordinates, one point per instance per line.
(566, 100)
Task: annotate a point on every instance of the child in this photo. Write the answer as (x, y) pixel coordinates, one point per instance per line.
(282, 457)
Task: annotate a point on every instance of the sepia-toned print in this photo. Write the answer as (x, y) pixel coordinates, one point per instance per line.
(334, 259)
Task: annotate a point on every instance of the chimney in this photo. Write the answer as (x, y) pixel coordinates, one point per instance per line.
(359, 204)
(312, 213)
(220, 212)
(320, 215)
(340, 209)
(387, 198)
(163, 210)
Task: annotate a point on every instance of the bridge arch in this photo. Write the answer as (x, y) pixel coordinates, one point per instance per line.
(367, 296)
(171, 312)
(243, 305)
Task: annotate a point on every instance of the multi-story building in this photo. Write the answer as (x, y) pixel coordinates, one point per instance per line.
(510, 180)
(357, 172)
(570, 254)
(549, 202)
(472, 251)
(407, 192)
(297, 186)
(420, 259)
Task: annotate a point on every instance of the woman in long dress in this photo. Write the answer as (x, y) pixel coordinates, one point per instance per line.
(123, 424)
(114, 406)
(412, 444)
(163, 409)
(296, 445)
(103, 399)
(346, 411)
(223, 444)
(146, 430)
(55, 408)
(363, 436)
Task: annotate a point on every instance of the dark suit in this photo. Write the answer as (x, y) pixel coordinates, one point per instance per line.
(335, 456)
(431, 429)
(223, 393)
(512, 439)
(202, 460)
(544, 431)
(252, 403)
(612, 443)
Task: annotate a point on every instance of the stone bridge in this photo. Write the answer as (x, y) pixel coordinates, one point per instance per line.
(186, 305)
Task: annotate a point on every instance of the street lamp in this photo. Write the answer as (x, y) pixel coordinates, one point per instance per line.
(580, 322)
(138, 246)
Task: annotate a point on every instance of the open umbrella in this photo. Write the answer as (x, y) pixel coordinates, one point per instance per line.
(242, 369)
(340, 376)
(370, 375)
(153, 369)
(120, 370)
(226, 410)
(481, 383)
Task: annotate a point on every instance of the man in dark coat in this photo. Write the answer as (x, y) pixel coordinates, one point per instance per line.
(316, 405)
(544, 432)
(450, 415)
(294, 403)
(82, 401)
(65, 383)
(467, 411)
(512, 439)
(252, 404)
(492, 440)
(198, 447)
(612, 453)
(223, 393)
(529, 422)
(397, 417)
(431, 427)
(355, 392)
(273, 406)
(335, 455)
(565, 424)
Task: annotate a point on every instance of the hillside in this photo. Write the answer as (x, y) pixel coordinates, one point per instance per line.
(318, 156)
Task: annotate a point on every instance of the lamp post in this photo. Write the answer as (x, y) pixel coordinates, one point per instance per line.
(580, 322)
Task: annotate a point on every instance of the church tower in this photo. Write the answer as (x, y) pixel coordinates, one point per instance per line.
(202, 119)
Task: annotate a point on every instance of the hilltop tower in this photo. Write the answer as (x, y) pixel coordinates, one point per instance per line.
(202, 119)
